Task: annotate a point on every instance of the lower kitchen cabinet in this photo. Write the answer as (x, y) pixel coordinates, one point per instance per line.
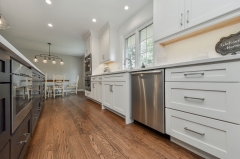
(96, 90)
(107, 94)
(4, 114)
(21, 138)
(118, 101)
(215, 137)
(113, 96)
(5, 152)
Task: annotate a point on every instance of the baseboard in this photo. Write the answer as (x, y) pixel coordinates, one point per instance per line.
(193, 149)
(81, 90)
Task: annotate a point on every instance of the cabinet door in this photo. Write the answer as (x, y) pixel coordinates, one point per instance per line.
(107, 94)
(199, 11)
(99, 92)
(5, 153)
(89, 45)
(4, 67)
(4, 114)
(95, 96)
(119, 91)
(168, 18)
(104, 46)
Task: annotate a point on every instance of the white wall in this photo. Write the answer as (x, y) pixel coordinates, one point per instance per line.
(138, 19)
(72, 67)
(185, 50)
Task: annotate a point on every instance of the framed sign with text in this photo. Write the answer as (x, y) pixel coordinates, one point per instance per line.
(230, 44)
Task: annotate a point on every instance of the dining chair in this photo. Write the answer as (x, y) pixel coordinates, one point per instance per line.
(48, 88)
(58, 84)
(29, 87)
(74, 86)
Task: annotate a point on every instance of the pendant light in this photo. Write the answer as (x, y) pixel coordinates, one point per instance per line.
(49, 57)
(3, 23)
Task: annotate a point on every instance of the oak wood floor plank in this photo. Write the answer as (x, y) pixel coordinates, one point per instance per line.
(75, 127)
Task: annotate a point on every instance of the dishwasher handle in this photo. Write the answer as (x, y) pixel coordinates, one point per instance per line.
(147, 72)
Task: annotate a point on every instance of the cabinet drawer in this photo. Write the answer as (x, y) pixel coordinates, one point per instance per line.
(5, 152)
(223, 72)
(212, 136)
(4, 67)
(215, 100)
(115, 77)
(21, 137)
(4, 114)
(96, 78)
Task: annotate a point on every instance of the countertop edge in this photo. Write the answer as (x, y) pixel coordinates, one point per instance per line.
(13, 52)
(179, 64)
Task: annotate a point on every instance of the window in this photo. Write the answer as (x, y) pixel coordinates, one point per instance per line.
(146, 45)
(139, 46)
(131, 50)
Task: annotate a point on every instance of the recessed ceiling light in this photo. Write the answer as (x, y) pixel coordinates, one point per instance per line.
(94, 20)
(126, 7)
(48, 1)
(50, 25)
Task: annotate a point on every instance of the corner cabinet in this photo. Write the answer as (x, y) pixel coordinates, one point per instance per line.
(185, 14)
(108, 48)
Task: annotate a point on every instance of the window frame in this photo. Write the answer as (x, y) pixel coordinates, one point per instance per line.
(136, 31)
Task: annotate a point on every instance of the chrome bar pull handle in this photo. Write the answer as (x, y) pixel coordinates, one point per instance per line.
(187, 16)
(25, 141)
(199, 133)
(181, 22)
(189, 74)
(186, 97)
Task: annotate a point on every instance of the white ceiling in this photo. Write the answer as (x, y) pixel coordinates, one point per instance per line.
(71, 19)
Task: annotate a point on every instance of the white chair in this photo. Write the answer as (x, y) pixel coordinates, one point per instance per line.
(48, 88)
(29, 87)
(58, 84)
(74, 86)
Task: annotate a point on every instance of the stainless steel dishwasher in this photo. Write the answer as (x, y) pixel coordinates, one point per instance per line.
(148, 98)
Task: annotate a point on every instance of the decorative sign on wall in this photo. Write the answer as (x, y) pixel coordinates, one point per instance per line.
(230, 44)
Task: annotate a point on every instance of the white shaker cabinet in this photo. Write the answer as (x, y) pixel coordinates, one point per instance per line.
(109, 39)
(119, 101)
(168, 17)
(88, 45)
(96, 88)
(107, 94)
(174, 18)
(199, 11)
(116, 94)
(99, 91)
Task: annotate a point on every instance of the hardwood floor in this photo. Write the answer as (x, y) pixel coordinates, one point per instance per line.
(74, 127)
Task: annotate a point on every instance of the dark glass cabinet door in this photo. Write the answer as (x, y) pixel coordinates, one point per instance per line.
(4, 114)
(4, 67)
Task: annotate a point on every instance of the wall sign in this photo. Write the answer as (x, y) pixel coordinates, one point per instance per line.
(230, 44)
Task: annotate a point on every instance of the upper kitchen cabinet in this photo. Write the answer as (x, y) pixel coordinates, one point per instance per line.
(188, 16)
(92, 47)
(197, 12)
(168, 17)
(88, 46)
(108, 43)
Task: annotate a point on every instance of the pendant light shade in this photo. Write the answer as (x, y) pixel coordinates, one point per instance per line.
(44, 60)
(61, 62)
(53, 62)
(35, 59)
(3, 23)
